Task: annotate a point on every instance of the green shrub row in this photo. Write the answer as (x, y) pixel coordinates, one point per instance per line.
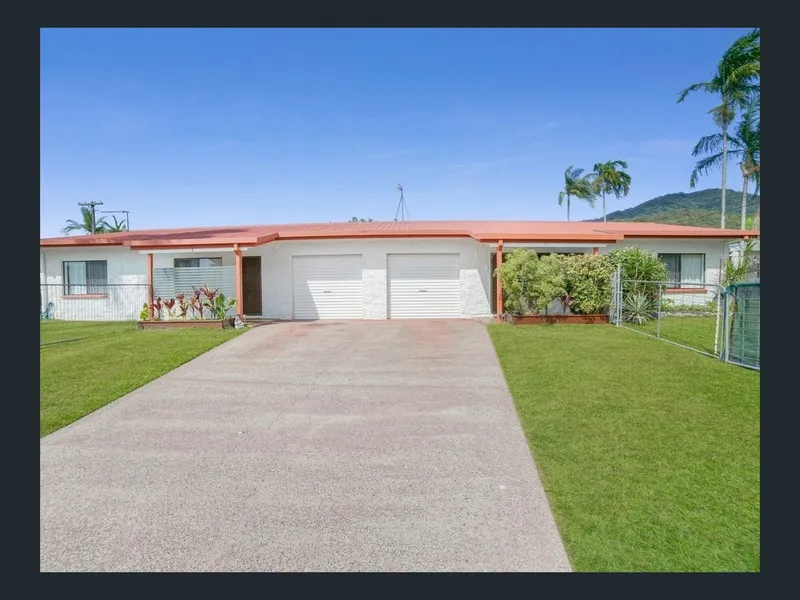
(581, 282)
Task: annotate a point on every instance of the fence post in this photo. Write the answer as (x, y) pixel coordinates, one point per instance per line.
(617, 292)
(727, 325)
(658, 313)
(150, 284)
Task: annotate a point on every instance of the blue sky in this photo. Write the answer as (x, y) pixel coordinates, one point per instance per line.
(193, 127)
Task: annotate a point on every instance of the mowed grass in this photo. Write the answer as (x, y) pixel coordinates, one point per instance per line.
(695, 332)
(79, 377)
(649, 452)
(56, 332)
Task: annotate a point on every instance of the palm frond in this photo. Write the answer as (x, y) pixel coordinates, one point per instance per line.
(708, 87)
(703, 166)
(708, 144)
(561, 196)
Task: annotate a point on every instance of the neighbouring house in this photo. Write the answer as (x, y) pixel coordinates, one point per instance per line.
(364, 270)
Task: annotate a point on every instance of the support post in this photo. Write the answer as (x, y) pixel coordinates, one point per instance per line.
(239, 284)
(150, 283)
(499, 283)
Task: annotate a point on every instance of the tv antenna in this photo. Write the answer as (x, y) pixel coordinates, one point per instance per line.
(91, 204)
(117, 212)
(402, 209)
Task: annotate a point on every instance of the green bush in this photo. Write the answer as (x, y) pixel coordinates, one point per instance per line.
(587, 281)
(638, 266)
(530, 283)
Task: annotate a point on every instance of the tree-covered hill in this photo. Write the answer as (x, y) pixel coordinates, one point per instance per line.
(700, 208)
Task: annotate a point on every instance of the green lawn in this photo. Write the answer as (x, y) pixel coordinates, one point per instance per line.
(79, 377)
(56, 332)
(649, 452)
(695, 332)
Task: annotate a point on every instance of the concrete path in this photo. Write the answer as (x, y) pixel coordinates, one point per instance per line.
(328, 446)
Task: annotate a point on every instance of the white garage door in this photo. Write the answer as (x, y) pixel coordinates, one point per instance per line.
(423, 286)
(327, 287)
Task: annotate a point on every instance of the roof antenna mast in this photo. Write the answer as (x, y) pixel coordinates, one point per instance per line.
(402, 209)
(92, 205)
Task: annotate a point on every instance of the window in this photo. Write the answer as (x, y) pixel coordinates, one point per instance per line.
(85, 277)
(198, 262)
(685, 268)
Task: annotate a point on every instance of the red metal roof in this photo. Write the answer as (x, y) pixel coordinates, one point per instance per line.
(483, 231)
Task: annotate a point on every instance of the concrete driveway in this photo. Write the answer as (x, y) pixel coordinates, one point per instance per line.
(328, 446)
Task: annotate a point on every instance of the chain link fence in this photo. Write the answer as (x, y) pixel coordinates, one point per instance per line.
(706, 318)
(74, 312)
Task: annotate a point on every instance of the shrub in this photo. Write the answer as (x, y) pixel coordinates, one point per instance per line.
(639, 270)
(587, 280)
(529, 283)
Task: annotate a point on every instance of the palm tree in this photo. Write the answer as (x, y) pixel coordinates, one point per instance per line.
(100, 226)
(745, 61)
(732, 81)
(608, 180)
(116, 227)
(745, 145)
(578, 185)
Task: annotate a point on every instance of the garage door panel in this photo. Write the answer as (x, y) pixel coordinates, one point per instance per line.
(327, 287)
(424, 286)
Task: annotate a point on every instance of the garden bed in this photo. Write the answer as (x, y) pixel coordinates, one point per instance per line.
(553, 319)
(188, 324)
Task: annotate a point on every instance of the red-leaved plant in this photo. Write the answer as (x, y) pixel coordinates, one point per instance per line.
(168, 305)
(197, 303)
(157, 305)
(183, 306)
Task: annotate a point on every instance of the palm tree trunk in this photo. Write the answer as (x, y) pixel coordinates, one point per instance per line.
(604, 207)
(745, 180)
(757, 219)
(724, 172)
(567, 207)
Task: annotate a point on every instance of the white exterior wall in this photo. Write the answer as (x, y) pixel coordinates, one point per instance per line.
(276, 265)
(123, 267)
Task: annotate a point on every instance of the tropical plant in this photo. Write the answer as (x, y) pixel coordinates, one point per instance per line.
(732, 81)
(197, 305)
(168, 308)
(637, 308)
(153, 309)
(530, 283)
(184, 306)
(640, 270)
(735, 269)
(85, 224)
(744, 145)
(576, 185)
(144, 315)
(609, 178)
(587, 280)
(748, 132)
(221, 306)
(117, 227)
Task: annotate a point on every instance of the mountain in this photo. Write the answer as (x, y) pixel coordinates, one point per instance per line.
(699, 208)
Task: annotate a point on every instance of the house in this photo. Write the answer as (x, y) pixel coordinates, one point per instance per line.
(372, 270)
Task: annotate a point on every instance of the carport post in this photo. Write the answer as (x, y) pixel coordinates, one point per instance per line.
(499, 283)
(150, 283)
(239, 287)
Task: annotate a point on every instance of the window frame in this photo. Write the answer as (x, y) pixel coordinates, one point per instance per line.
(679, 284)
(90, 289)
(198, 259)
